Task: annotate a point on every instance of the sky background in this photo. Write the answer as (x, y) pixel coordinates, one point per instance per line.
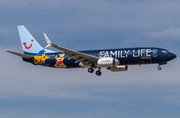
(28, 91)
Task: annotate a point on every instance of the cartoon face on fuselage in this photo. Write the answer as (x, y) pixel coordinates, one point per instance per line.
(59, 62)
(60, 57)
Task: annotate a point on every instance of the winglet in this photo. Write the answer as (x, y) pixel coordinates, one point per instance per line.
(47, 40)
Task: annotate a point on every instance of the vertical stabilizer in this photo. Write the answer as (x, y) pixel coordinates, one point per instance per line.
(28, 42)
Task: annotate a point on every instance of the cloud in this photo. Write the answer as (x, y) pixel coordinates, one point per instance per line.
(139, 14)
(171, 32)
(69, 22)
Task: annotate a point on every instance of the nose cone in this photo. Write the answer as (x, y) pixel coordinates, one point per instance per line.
(172, 56)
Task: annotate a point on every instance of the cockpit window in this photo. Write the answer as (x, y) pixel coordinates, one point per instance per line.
(164, 51)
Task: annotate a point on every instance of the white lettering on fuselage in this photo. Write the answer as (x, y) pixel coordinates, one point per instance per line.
(106, 54)
(113, 54)
(126, 52)
(143, 53)
(122, 54)
(134, 53)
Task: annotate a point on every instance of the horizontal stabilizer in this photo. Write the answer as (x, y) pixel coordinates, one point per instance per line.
(20, 55)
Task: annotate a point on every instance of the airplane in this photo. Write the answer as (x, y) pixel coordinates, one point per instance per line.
(115, 60)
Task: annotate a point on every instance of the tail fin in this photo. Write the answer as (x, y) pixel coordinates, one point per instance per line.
(28, 42)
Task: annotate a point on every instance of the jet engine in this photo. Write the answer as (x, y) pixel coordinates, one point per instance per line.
(118, 68)
(107, 62)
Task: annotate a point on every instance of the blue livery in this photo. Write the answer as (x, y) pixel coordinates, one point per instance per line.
(113, 59)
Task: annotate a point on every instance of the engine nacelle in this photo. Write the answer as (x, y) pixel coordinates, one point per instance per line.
(107, 62)
(118, 68)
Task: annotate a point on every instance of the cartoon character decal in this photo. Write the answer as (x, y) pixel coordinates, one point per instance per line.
(59, 62)
(40, 58)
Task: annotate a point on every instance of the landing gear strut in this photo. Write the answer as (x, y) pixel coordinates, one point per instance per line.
(159, 68)
(98, 73)
(90, 70)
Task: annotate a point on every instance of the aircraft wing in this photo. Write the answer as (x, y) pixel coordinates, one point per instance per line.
(71, 53)
(20, 55)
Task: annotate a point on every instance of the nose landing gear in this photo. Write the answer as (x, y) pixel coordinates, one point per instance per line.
(161, 63)
(159, 68)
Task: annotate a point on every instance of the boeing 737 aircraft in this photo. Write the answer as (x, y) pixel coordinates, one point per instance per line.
(113, 59)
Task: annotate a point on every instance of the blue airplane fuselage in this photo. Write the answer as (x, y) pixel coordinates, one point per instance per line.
(126, 56)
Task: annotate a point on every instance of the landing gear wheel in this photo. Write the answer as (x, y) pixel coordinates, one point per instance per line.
(98, 73)
(90, 70)
(159, 68)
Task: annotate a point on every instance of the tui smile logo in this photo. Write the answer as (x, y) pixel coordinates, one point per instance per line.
(29, 46)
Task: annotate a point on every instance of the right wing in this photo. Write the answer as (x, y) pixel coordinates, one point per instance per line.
(79, 56)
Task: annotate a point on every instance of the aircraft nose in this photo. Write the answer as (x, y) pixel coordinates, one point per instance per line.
(172, 56)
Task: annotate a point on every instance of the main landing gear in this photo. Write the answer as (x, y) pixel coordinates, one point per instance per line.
(90, 70)
(98, 72)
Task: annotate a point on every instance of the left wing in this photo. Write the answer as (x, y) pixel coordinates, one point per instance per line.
(80, 57)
